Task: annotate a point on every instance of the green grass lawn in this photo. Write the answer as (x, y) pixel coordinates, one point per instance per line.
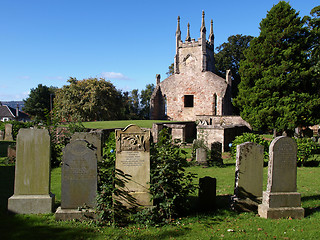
(122, 124)
(222, 224)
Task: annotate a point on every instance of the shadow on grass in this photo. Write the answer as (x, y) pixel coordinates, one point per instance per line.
(6, 186)
(310, 210)
(35, 227)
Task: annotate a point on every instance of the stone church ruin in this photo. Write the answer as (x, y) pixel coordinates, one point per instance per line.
(194, 92)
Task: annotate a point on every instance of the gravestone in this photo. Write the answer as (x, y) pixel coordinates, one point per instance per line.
(8, 132)
(281, 199)
(248, 177)
(1, 135)
(94, 138)
(133, 158)
(201, 156)
(207, 193)
(32, 173)
(216, 153)
(78, 181)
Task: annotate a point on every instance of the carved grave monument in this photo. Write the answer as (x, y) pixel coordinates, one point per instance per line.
(281, 199)
(133, 158)
(32, 173)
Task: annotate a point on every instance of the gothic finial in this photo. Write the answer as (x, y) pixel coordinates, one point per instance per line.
(178, 26)
(188, 33)
(211, 36)
(203, 28)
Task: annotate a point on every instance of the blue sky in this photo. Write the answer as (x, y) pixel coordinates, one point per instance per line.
(127, 42)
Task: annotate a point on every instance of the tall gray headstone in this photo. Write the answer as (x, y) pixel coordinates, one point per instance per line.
(201, 156)
(8, 132)
(281, 198)
(78, 181)
(133, 158)
(32, 173)
(248, 176)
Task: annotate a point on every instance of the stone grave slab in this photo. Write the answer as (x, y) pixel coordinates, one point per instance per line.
(32, 173)
(133, 158)
(78, 181)
(8, 132)
(281, 198)
(201, 156)
(207, 193)
(248, 177)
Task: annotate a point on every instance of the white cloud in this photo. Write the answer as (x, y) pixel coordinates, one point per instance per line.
(114, 75)
(56, 78)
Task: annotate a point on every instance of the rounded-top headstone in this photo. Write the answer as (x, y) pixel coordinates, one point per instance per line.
(282, 171)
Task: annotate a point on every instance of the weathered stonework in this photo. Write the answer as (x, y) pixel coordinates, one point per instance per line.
(194, 88)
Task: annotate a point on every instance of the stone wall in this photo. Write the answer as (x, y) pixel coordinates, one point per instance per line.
(223, 134)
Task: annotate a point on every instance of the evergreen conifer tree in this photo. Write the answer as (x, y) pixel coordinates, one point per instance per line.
(277, 89)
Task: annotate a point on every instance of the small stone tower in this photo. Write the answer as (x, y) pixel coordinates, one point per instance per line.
(194, 54)
(194, 89)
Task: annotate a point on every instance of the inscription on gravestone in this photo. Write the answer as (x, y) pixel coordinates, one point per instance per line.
(133, 158)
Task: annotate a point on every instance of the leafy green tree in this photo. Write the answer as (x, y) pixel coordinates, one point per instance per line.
(39, 102)
(277, 88)
(228, 57)
(89, 99)
(170, 70)
(145, 101)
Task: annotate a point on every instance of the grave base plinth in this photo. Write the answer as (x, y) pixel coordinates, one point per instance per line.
(31, 204)
(281, 205)
(70, 214)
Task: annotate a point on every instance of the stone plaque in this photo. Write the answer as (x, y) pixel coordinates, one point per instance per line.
(281, 199)
(32, 173)
(78, 175)
(133, 158)
(8, 132)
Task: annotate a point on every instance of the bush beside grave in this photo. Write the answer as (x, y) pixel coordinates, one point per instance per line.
(250, 137)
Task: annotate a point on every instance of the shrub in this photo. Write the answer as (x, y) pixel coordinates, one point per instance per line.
(170, 184)
(250, 137)
(306, 147)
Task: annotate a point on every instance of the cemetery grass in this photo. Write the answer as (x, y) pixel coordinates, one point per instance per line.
(220, 224)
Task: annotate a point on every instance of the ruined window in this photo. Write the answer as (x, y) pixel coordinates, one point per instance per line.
(215, 104)
(188, 100)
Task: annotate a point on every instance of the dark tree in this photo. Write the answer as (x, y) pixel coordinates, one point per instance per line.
(145, 101)
(277, 88)
(228, 57)
(39, 102)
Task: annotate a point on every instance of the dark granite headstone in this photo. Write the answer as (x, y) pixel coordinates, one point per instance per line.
(207, 193)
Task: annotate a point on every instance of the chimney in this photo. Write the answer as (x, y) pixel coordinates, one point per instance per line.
(158, 79)
(17, 111)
